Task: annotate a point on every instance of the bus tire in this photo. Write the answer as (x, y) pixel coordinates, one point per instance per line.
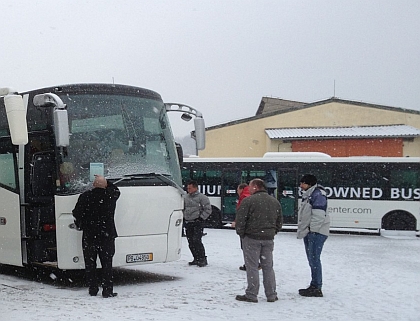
(399, 221)
(215, 218)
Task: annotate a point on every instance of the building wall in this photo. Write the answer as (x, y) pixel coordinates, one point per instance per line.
(277, 145)
(411, 147)
(390, 147)
(248, 139)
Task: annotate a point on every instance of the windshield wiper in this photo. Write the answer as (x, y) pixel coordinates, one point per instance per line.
(162, 177)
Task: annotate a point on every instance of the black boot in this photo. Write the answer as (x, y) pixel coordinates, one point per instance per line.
(202, 262)
(310, 287)
(109, 295)
(93, 291)
(311, 291)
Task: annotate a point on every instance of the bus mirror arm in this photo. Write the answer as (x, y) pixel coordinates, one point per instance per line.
(200, 129)
(48, 100)
(186, 110)
(61, 122)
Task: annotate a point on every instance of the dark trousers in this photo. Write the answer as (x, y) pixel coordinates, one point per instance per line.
(194, 233)
(105, 249)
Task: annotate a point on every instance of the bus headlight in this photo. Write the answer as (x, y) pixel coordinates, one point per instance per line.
(178, 222)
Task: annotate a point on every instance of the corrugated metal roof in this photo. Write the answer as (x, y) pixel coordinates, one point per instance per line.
(343, 132)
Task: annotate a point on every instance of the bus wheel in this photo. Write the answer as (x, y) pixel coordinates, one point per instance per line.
(399, 220)
(215, 218)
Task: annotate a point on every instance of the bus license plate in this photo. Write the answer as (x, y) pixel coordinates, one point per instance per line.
(140, 257)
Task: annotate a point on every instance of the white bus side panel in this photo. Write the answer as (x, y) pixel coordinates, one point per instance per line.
(145, 210)
(216, 201)
(10, 230)
(69, 240)
(367, 213)
(174, 241)
(143, 217)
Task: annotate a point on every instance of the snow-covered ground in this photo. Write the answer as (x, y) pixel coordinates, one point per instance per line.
(365, 278)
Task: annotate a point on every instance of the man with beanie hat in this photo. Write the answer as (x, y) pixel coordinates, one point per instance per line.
(313, 227)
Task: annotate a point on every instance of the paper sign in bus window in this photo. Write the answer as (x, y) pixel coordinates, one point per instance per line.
(96, 169)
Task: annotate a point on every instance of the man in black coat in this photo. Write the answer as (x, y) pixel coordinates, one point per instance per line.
(94, 214)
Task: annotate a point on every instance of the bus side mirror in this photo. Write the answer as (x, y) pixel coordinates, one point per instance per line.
(16, 117)
(200, 133)
(61, 124)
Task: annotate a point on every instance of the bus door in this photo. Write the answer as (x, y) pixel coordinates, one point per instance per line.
(230, 181)
(39, 196)
(10, 218)
(288, 194)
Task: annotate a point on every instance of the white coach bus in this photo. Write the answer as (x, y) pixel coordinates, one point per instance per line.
(364, 192)
(52, 143)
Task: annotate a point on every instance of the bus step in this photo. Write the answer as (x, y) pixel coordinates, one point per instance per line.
(46, 264)
(51, 254)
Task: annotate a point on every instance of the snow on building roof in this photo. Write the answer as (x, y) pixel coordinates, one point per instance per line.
(343, 132)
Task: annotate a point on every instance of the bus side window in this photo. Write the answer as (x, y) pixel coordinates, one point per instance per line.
(7, 165)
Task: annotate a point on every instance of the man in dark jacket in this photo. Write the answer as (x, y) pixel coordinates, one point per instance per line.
(94, 214)
(258, 219)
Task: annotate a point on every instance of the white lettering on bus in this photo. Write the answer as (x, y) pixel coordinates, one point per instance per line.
(405, 193)
(354, 192)
(372, 193)
(339, 192)
(210, 190)
(376, 192)
(348, 210)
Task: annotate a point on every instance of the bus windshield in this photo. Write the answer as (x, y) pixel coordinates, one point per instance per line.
(117, 135)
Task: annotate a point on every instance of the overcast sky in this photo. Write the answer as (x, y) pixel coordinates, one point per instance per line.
(218, 56)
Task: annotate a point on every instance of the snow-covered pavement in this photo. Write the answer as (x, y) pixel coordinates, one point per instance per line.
(365, 278)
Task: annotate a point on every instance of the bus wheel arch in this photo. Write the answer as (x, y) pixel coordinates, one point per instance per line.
(215, 218)
(399, 220)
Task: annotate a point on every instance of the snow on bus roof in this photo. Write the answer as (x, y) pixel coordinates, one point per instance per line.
(294, 157)
(295, 154)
